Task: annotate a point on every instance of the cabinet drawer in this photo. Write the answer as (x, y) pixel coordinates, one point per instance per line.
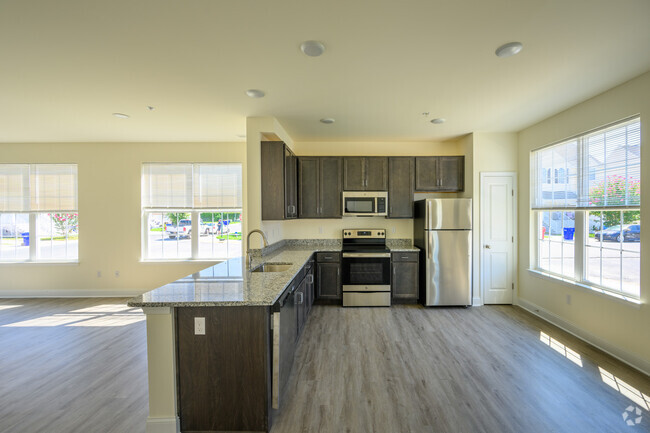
(328, 257)
(405, 257)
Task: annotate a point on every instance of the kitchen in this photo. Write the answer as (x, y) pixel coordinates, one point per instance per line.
(76, 354)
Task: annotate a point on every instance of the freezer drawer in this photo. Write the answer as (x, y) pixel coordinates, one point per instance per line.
(448, 270)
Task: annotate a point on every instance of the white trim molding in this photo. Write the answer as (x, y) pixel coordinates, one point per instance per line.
(163, 425)
(628, 358)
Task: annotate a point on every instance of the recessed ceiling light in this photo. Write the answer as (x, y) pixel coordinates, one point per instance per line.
(327, 120)
(312, 48)
(121, 115)
(509, 49)
(438, 120)
(255, 93)
(150, 108)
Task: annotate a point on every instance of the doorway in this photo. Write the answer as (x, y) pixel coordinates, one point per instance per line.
(497, 236)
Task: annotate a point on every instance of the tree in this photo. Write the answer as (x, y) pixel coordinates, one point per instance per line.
(611, 192)
(175, 217)
(65, 223)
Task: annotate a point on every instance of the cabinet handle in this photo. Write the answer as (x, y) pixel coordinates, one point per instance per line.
(302, 298)
(310, 279)
(405, 257)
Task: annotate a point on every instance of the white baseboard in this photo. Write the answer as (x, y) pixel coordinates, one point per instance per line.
(630, 359)
(163, 425)
(71, 293)
(477, 301)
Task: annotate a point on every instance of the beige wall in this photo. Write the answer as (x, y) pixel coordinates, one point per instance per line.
(616, 326)
(109, 217)
(485, 152)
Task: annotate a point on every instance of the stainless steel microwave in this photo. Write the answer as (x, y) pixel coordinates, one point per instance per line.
(365, 203)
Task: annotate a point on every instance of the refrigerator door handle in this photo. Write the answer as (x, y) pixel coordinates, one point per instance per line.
(429, 245)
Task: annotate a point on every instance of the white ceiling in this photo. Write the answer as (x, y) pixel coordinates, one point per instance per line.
(66, 65)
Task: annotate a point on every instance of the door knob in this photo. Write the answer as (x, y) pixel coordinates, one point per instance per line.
(487, 247)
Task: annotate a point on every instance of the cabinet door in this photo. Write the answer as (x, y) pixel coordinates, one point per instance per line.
(330, 187)
(405, 280)
(301, 310)
(329, 280)
(451, 171)
(273, 180)
(308, 187)
(426, 173)
(310, 295)
(400, 187)
(354, 174)
(290, 184)
(376, 173)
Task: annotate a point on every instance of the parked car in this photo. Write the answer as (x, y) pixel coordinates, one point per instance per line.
(631, 233)
(182, 230)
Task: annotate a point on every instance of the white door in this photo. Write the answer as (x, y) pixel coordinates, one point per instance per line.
(497, 237)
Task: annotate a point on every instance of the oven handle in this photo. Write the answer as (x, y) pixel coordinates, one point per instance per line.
(366, 255)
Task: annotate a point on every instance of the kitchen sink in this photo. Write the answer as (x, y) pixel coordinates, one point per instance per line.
(273, 267)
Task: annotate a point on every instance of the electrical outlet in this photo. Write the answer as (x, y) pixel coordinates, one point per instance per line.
(199, 326)
(117, 274)
(320, 230)
(393, 229)
(568, 299)
(99, 274)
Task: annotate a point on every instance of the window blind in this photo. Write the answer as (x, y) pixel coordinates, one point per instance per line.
(596, 170)
(38, 187)
(192, 186)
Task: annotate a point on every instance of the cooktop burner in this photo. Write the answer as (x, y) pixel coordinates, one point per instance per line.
(365, 248)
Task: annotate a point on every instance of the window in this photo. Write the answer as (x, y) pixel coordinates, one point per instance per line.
(191, 211)
(38, 212)
(588, 221)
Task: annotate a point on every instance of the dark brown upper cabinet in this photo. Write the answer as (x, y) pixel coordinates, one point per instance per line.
(319, 187)
(365, 173)
(401, 181)
(439, 173)
(279, 181)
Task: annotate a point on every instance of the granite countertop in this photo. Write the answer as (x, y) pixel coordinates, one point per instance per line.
(229, 284)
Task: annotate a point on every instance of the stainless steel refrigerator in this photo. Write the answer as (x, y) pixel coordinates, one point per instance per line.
(442, 229)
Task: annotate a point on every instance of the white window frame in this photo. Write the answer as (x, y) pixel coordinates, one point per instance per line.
(34, 230)
(195, 213)
(581, 230)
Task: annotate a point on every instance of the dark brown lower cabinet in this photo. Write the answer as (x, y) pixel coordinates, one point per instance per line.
(224, 376)
(405, 277)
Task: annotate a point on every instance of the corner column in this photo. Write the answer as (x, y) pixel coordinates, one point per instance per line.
(161, 359)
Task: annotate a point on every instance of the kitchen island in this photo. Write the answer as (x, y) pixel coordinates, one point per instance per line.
(213, 357)
(220, 342)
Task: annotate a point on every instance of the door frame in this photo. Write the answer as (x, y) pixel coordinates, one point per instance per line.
(483, 175)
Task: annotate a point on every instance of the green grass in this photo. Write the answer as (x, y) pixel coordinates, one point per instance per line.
(232, 237)
(157, 229)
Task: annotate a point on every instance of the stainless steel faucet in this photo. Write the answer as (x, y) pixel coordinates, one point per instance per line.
(249, 257)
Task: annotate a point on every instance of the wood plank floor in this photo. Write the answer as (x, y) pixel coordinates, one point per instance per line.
(79, 365)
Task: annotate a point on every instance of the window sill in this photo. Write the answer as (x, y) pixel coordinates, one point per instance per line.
(182, 261)
(629, 301)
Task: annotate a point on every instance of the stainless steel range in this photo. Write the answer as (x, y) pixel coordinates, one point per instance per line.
(366, 268)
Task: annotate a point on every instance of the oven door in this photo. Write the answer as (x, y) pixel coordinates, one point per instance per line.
(359, 205)
(366, 272)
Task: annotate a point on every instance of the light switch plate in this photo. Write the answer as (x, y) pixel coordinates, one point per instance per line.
(199, 326)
